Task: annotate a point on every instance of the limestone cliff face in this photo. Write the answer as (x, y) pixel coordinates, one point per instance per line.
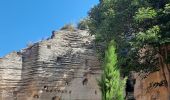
(64, 66)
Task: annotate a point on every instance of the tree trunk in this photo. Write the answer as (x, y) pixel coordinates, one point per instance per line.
(165, 67)
(168, 69)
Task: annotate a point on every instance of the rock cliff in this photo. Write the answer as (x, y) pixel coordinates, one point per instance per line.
(64, 66)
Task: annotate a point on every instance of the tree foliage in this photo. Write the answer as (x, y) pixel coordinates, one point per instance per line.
(151, 33)
(140, 29)
(134, 25)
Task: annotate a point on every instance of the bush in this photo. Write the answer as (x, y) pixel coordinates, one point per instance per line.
(69, 27)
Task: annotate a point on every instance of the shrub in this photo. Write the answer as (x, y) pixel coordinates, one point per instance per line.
(69, 27)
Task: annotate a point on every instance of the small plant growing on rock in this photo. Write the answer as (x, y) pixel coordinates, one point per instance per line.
(68, 27)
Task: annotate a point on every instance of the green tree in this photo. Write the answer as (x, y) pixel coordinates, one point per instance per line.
(134, 25)
(113, 19)
(151, 39)
(140, 29)
(112, 86)
(152, 32)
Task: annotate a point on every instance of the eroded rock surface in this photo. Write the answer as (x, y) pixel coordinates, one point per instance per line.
(64, 67)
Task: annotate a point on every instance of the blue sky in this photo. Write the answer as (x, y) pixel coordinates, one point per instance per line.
(25, 21)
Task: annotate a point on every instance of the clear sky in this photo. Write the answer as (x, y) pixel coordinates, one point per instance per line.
(24, 21)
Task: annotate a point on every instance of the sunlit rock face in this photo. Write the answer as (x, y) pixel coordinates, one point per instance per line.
(10, 74)
(63, 67)
(154, 87)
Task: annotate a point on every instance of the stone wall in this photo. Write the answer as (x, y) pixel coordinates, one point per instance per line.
(64, 66)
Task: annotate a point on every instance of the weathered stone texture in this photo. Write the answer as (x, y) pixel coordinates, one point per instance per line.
(146, 90)
(156, 86)
(64, 66)
(10, 74)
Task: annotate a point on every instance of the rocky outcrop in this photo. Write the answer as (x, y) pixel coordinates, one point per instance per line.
(64, 66)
